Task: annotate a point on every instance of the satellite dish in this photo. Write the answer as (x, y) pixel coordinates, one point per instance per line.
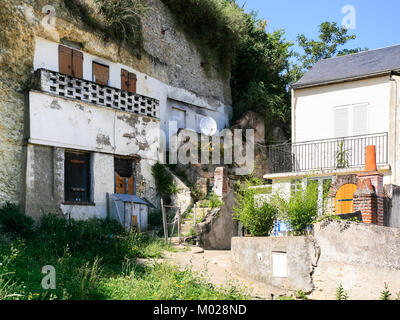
(208, 126)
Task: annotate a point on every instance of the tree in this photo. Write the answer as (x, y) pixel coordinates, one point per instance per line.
(331, 38)
(260, 75)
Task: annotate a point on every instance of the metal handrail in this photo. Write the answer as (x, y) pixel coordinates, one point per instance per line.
(321, 154)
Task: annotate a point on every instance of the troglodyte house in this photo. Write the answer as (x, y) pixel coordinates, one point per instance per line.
(81, 115)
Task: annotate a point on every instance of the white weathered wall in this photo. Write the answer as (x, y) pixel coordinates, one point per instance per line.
(313, 108)
(46, 56)
(67, 123)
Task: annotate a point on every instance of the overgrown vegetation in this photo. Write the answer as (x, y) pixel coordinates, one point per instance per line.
(117, 19)
(94, 259)
(341, 294)
(215, 26)
(300, 210)
(258, 217)
(212, 201)
(164, 182)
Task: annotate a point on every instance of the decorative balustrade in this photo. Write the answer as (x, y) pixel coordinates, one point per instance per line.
(91, 92)
(328, 154)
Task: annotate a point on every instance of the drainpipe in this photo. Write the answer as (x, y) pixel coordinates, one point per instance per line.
(395, 123)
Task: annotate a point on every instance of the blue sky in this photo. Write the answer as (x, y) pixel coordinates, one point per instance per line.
(376, 21)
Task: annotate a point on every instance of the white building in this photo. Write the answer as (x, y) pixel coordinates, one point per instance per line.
(339, 107)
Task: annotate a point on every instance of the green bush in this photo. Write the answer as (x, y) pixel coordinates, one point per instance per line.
(300, 210)
(12, 220)
(258, 218)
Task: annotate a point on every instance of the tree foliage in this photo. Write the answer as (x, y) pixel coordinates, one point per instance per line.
(330, 39)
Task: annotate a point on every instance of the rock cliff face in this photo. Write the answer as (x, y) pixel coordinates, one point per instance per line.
(168, 56)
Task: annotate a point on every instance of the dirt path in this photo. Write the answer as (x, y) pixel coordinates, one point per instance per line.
(216, 265)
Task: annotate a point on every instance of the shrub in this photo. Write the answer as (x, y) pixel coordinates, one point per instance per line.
(301, 209)
(12, 220)
(258, 218)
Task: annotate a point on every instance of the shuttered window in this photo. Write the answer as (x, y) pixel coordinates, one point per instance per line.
(128, 81)
(360, 120)
(70, 61)
(77, 177)
(124, 178)
(342, 122)
(101, 73)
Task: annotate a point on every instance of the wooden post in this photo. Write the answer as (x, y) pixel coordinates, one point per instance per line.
(164, 221)
(179, 225)
(194, 215)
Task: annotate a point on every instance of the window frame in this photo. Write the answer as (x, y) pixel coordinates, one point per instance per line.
(71, 161)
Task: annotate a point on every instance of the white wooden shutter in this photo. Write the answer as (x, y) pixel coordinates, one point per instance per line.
(360, 120)
(342, 122)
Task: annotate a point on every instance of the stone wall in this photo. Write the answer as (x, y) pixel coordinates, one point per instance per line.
(361, 257)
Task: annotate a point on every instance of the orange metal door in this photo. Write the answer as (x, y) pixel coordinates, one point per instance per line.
(344, 199)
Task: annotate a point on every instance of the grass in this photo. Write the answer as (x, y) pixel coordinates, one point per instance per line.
(95, 259)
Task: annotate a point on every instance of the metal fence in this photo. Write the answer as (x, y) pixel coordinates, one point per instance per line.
(347, 152)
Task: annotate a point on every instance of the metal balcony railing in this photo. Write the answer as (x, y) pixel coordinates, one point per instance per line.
(329, 154)
(89, 91)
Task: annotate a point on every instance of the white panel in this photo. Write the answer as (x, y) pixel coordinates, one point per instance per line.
(360, 120)
(342, 122)
(279, 265)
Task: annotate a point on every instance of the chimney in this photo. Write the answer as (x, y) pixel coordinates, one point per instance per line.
(369, 195)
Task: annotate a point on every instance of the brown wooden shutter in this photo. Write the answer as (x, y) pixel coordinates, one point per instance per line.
(65, 60)
(124, 80)
(132, 82)
(77, 64)
(131, 181)
(101, 73)
(119, 184)
(128, 81)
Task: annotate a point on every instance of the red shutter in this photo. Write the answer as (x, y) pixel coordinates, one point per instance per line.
(65, 60)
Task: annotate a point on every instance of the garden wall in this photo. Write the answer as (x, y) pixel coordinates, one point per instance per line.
(361, 257)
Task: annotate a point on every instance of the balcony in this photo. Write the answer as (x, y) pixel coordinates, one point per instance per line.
(329, 154)
(87, 91)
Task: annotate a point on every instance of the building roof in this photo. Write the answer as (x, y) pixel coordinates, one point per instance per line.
(352, 67)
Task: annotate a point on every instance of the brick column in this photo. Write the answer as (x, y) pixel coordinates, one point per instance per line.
(365, 201)
(220, 182)
(376, 179)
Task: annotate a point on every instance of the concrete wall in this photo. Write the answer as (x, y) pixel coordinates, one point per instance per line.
(361, 257)
(253, 258)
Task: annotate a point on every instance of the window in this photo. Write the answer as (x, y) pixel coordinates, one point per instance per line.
(128, 81)
(101, 73)
(351, 120)
(77, 177)
(70, 61)
(124, 177)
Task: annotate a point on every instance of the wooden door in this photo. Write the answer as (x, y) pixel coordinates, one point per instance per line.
(344, 199)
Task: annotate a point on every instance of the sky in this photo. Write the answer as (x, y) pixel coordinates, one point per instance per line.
(376, 22)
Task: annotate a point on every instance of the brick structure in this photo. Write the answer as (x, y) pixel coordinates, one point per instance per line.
(370, 202)
(369, 195)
